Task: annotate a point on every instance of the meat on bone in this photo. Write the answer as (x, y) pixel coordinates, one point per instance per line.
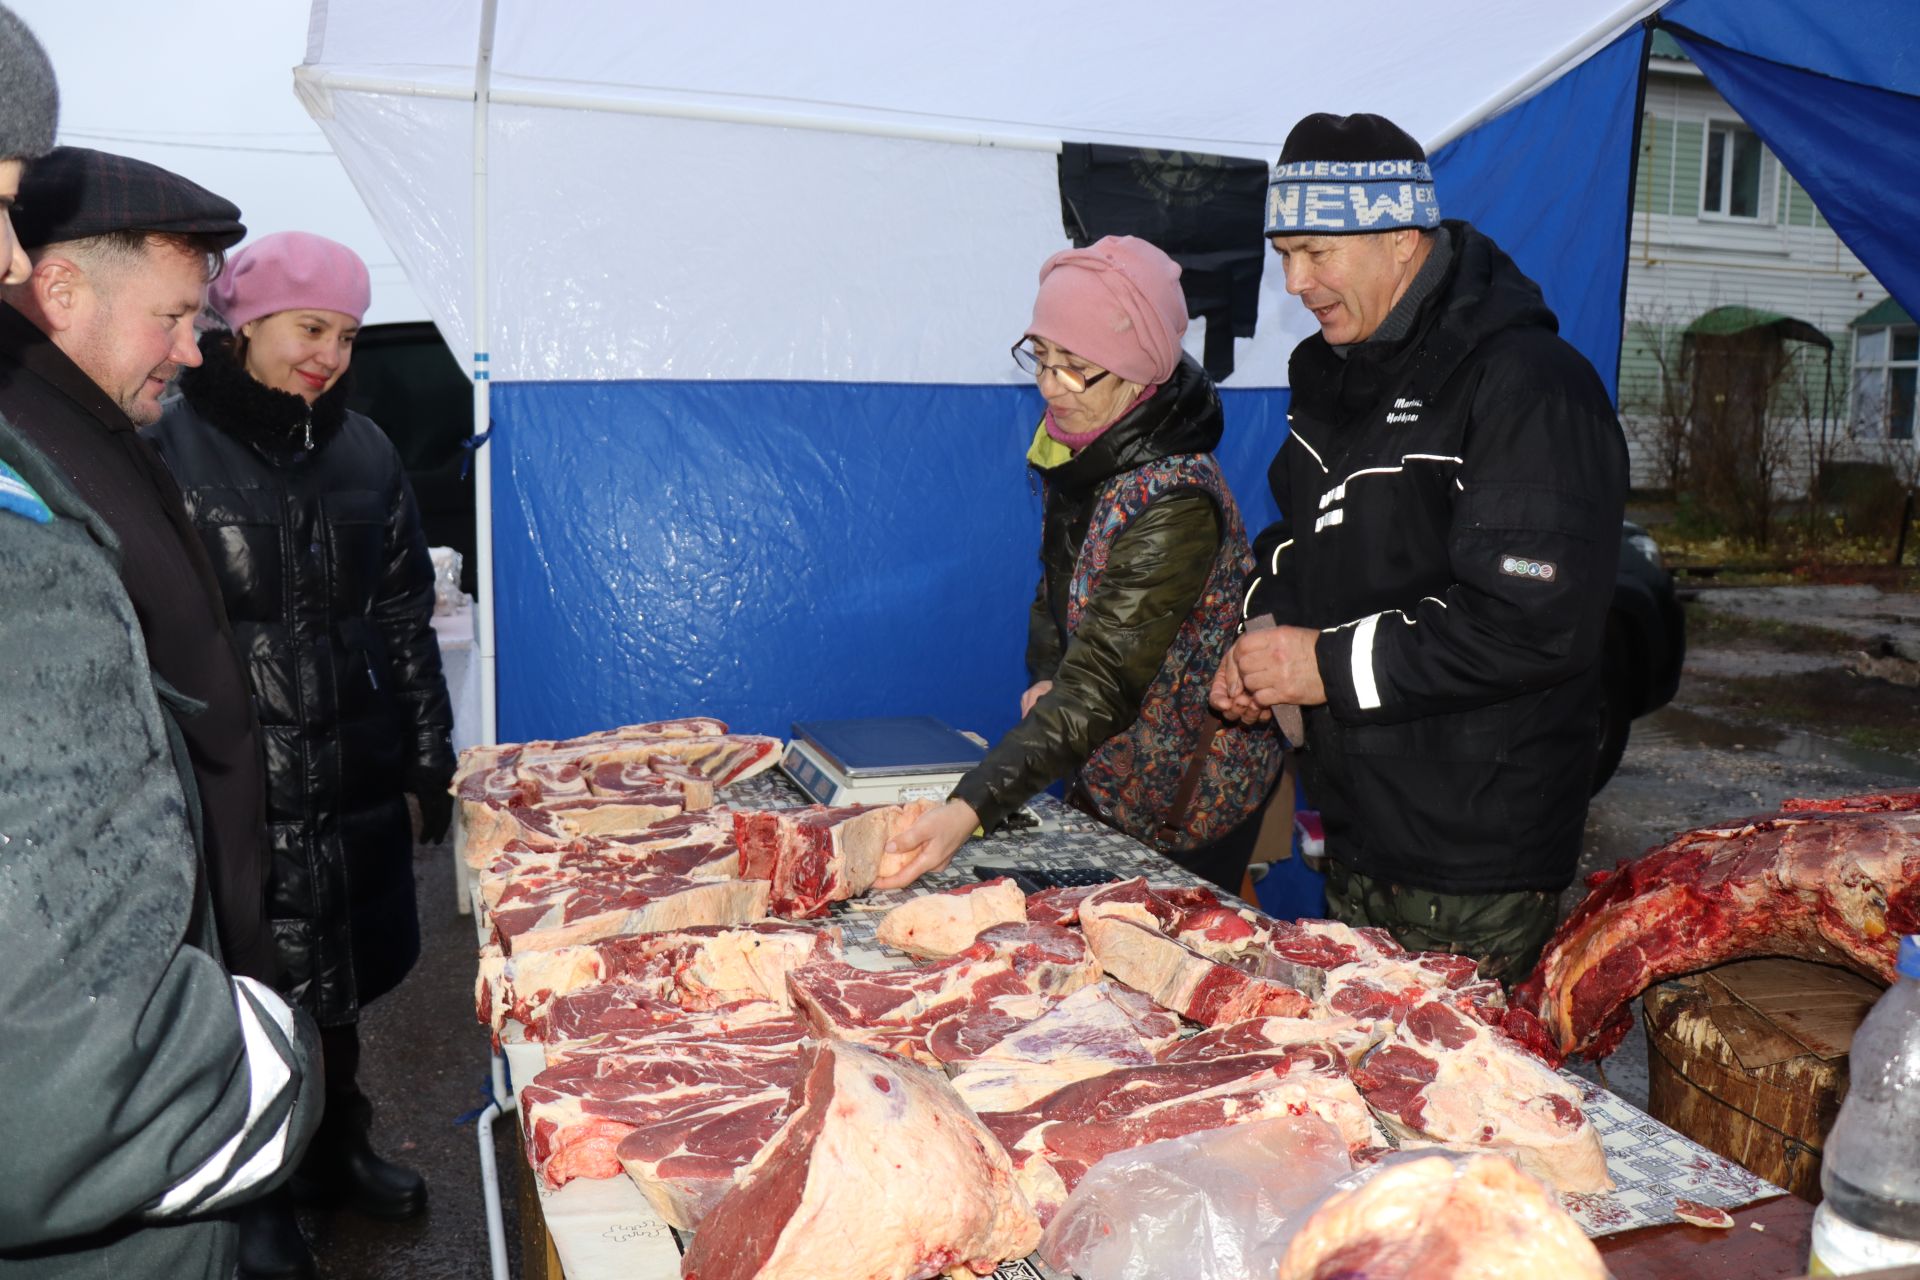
(1095, 1030)
(1437, 1218)
(818, 855)
(935, 925)
(902, 1010)
(880, 1173)
(588, 907)
(1055, 1140)
(1446, 1076)
(697, 968)
(723, 1075)
(1834, 881)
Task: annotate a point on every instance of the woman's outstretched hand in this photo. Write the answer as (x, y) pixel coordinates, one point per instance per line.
(928, 845)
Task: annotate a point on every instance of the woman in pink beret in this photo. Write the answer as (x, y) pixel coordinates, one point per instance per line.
(1144, 560)
(315, 539)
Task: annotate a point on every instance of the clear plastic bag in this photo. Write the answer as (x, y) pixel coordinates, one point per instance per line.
(1208, 1206)
(447, 596)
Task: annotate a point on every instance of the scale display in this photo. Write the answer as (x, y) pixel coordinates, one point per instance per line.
(878, 759)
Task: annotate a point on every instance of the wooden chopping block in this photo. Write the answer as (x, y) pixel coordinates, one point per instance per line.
(1749, 1060)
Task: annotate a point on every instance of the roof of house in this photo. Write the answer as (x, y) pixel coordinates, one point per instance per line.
(1665, 46)
(1885, 312)
(1722, 321)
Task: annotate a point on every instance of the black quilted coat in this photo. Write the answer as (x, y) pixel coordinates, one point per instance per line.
(316, 541)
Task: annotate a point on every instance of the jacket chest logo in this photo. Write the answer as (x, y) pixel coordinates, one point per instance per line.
(1405, 410)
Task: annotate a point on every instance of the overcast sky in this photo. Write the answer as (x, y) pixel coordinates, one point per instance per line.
(205, 88)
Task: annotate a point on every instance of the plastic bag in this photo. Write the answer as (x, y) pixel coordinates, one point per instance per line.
(447, 595)
(1207, 1206)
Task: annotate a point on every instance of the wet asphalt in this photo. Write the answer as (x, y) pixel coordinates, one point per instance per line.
(424, 1064)
(426, 1058)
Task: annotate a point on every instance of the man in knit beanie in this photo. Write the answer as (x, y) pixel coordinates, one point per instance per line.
(148, 1090)
(29, 106)
(1434, 596)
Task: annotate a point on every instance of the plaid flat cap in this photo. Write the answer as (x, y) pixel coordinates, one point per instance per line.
(74, 192)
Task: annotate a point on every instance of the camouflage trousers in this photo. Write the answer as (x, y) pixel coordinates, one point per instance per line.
(1505, 932)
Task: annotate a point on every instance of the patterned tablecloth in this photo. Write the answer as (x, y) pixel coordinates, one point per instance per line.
(605, 1230)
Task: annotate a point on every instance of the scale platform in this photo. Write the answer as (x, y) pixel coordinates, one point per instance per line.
(879, 759)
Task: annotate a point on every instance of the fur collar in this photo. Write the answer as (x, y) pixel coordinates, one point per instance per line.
(226, 395)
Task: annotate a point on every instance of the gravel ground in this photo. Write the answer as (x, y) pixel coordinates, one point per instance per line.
(426, 1058)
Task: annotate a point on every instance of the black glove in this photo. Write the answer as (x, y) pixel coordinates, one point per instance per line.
(429, 787)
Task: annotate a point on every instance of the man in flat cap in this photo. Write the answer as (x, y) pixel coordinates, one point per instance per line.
(1451, 494)
(121, 252)
(148, 1090)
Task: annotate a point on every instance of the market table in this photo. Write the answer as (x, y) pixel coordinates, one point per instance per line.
(603, 1229)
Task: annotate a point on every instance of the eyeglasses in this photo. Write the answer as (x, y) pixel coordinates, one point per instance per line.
(1074, 380)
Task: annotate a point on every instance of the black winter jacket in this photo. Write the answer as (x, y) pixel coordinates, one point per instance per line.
(1156, 572)
(1451, 521)
(75, 424)
(316, 541)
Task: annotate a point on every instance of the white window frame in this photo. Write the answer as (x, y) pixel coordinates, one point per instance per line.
(1882, 429)
(1767, 197)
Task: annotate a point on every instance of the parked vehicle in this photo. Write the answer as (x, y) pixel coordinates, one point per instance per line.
(1645, 646)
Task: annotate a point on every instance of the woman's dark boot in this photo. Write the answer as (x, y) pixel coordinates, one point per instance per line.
(271, 1246)
(342, 1167)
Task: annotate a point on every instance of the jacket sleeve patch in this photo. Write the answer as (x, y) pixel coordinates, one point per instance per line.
(1515, 566)
(18, 497)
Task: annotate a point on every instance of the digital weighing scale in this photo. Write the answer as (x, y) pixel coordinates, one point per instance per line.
(878, 760)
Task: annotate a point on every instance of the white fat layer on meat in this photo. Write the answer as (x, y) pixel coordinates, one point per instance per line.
(1488, 1084)
(690, 903)
(891, 1132)
(936, 925)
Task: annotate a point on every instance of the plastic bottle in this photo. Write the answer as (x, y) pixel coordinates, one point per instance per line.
(1871, 1171)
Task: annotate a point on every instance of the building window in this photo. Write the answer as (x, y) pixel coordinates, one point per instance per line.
(1737, 178)
(1886, 376)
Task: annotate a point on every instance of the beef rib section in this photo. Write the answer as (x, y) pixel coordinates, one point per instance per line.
(1837, 884)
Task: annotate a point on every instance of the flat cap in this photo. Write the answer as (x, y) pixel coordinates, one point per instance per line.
(75, 192)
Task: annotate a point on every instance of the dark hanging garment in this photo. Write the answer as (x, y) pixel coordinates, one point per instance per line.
(1204, 211)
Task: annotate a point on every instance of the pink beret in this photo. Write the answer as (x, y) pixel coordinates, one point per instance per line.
(1117, 303)
(290, 269)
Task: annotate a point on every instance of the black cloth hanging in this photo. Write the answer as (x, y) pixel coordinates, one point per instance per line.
(1203, 210)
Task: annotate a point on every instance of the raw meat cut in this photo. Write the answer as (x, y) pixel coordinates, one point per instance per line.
(1095, 1030)
(584, 908)
(1352, 1038)
(880, 1173)
(1445, 1076)
(1438, 1218)
(1180, 978)
(1055, 1140)
(1837, 884)
(711, 1083)
(698, 846)
(818, 855)
(697, 968)
(935, 925)
(899, 1010)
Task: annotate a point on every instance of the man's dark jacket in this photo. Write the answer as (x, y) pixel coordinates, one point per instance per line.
(316, 542)
(1451, 522)
(73, 422)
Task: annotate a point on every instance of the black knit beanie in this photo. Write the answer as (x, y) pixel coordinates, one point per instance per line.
(1347, 175)
(29, 98)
